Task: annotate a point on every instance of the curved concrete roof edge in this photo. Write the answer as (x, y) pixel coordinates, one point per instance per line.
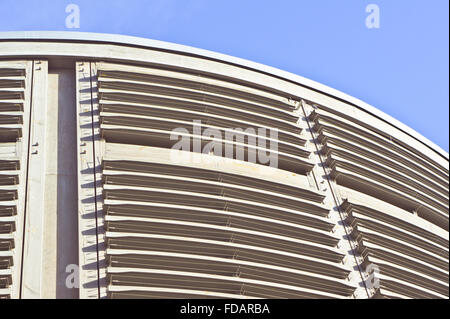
(184, 49)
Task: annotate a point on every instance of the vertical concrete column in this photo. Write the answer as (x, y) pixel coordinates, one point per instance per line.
(351, 260)
(92, 273)
(61, 206)
(34, 208)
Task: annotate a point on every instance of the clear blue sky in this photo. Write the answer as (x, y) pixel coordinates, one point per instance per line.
(401, 68)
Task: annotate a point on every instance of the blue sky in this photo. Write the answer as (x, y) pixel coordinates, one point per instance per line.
(401, 68)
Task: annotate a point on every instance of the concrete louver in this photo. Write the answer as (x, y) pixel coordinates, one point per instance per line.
(12, 100)
(213, 232)
(412, 257)
(396, 201)
(181, 228)
(373, 163)
(143, 105)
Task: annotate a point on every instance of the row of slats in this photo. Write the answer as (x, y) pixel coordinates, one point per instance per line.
(196, 231)
(412, 259)
(12, 94)
(365, 160)
(144, 105)
(171, 228)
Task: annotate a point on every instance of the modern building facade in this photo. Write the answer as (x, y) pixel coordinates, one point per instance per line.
(97, 202)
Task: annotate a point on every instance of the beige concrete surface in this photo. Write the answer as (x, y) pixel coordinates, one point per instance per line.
(60, 226)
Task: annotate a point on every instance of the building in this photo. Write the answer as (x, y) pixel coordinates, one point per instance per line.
(95, 201)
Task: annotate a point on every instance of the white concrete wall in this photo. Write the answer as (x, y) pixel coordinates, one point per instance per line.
(60, 227)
